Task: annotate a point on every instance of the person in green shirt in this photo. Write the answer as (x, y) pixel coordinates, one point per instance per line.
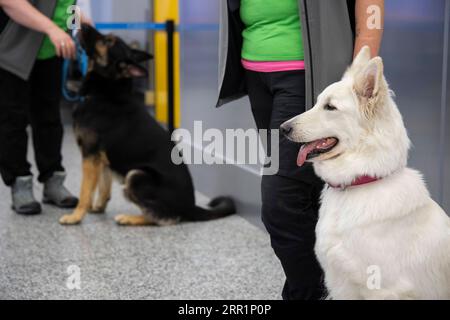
(272, 30)
(268, 53)
(35, 101)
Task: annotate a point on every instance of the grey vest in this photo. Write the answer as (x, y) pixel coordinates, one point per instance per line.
(19, 46)
(327, 40)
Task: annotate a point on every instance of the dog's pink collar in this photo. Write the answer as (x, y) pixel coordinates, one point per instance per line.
(356, 182)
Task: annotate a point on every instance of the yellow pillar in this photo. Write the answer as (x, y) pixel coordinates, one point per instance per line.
(166, 10)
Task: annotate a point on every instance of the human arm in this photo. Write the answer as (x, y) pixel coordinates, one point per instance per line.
(22, 12)
(369, 16)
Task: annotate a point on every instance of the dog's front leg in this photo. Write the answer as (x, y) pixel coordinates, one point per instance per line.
(401, 289)
(341, 264)
(104, 190)
(91, 172)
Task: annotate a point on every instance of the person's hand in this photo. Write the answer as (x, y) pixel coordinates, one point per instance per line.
(64, 45)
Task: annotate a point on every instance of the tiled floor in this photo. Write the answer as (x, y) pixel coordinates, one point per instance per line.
(222, 259)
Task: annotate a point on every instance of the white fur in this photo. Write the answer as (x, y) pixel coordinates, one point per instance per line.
(392, 223)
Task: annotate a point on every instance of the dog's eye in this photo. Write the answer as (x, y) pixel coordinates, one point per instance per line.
(109, 41)
(329, 107)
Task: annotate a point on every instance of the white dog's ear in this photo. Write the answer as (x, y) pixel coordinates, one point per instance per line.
(361, 59)
(369, 80)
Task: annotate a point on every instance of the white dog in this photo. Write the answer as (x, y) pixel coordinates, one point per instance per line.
(379, 235)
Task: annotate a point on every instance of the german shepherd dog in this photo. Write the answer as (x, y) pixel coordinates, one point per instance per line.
(117, 135)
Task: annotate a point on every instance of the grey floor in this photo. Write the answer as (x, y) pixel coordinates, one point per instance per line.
(222, 259)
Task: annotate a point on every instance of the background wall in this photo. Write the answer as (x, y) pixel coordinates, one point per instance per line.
(446, 118)
(124, 11)
(413, 52)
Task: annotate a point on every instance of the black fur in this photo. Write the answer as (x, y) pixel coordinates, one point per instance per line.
(138, 149)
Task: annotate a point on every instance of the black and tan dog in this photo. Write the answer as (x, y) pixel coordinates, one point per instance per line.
(117, 135)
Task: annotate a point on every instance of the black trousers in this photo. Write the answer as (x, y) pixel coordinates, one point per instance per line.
(34, 102)
(290, 199)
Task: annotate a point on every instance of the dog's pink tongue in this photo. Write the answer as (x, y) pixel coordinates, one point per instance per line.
(305, 149)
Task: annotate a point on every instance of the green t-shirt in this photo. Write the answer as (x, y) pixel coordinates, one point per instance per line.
(272, 30)
(60, 17)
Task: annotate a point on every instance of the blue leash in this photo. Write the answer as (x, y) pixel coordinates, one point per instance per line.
(83, 64)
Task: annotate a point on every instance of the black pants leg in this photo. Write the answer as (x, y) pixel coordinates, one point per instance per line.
(290, 199)
(34, 102)
(45, 116)
(14, 119)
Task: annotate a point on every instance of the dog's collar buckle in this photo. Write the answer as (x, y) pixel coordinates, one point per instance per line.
(356, 182)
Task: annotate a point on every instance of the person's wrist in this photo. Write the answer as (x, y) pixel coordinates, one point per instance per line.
(51, 28)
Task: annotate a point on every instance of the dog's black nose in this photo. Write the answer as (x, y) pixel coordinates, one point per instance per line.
(285, 129)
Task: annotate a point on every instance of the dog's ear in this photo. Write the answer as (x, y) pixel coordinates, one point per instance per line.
(369, 80)
(361, 59)
(369, 86)
(140, 56)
